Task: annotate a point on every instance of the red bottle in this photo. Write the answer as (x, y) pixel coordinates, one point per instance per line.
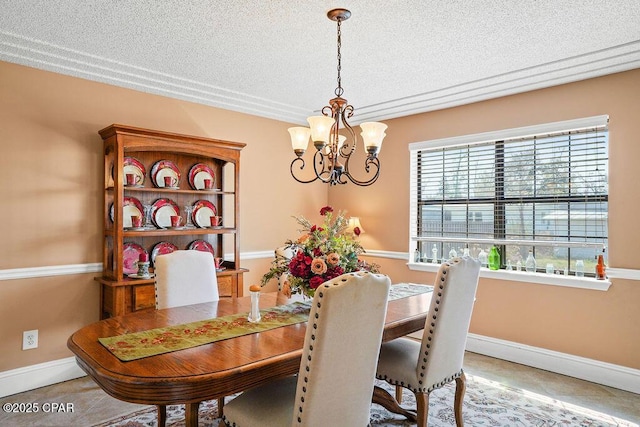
(601, 268)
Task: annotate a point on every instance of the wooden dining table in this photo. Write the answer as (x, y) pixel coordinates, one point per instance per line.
(215, 370)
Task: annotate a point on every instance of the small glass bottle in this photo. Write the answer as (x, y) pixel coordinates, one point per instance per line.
(509, 266)
(254, 314)
(601, 268)
(518, 265)
(579, 268)
(434, 254)
(530, 263)
(494, 258)
(466, 251)
(482, 257)
(452, 253)
(416, 255)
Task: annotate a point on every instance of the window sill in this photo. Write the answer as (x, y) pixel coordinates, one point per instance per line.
(522, 276)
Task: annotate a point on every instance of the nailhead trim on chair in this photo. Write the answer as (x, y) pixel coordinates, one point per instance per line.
(421, 388)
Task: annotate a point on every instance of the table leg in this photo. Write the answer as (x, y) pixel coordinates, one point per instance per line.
(162, 415)
(191, 414)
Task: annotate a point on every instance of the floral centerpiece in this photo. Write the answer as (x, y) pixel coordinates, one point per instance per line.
(321, 253)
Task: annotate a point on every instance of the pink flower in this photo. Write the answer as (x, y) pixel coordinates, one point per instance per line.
(318, 266)
(333, 258)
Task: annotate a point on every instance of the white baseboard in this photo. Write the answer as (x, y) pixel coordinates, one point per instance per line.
(591, 370)
(44, 374)
(40, 375)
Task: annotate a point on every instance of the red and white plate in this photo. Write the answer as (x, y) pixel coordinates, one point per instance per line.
(162, 248)
(162, 169)
(203, 210)
(134, 166)
(161, 212)
(130, 207)
(130, 255)
(202, 246)
(198, 173)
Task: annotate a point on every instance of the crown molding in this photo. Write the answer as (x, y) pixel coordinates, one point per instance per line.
(47, 56)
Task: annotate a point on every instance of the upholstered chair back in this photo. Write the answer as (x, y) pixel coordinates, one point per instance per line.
(340, 353)
(185, 277)
(445, 333)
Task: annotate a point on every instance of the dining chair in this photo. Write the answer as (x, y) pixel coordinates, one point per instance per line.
(437, 360)
(184, 277)
(335, 381)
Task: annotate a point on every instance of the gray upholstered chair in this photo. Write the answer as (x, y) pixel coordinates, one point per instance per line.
(184, 277)
(425, 366)
(337, 372)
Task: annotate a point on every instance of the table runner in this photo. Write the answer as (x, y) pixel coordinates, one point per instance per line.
(138, 345)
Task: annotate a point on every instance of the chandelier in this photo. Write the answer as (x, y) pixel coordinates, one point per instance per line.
(334, 150)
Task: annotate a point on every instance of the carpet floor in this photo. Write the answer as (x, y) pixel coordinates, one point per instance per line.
(486, 403)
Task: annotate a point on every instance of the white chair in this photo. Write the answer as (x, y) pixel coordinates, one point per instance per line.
(184, 277)
(425, 366)
(337, 372)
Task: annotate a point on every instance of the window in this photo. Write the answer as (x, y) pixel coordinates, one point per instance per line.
(541, 188)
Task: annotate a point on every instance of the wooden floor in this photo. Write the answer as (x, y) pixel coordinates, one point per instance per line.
(91, 405)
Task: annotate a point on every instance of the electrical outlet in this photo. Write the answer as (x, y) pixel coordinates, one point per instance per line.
(30, 339)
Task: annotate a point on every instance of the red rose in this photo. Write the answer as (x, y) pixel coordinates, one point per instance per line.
(316, 281)
(356, 231)
(326, 210)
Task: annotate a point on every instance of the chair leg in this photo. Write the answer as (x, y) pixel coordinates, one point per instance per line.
(399, 394)
(422, 399)
(384, 399)
(162, 415)
(457, 404)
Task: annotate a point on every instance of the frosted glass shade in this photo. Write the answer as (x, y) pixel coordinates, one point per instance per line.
(372, 135)
(299, 138)
(320, 128)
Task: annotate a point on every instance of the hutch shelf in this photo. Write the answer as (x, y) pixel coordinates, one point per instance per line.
(201, 181)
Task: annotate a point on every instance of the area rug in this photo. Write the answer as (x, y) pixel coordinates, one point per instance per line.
(486, 403)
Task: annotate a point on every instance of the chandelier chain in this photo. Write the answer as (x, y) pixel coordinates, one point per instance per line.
(339, 91)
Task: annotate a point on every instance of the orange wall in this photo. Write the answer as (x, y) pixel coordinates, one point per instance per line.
(592, 324)
(51, 167)
(51, 170)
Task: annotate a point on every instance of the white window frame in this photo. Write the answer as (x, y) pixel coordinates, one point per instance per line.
(528, 131)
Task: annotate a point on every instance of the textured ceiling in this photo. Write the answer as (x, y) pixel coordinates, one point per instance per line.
(277, 58)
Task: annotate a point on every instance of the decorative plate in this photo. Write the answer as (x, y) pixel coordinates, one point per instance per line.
(203, 210)
(134, 166)
(130, 256)
(161, 212)
(162, 169)
(162, 248)
(198, 173)
(201, 245)
(130, 206)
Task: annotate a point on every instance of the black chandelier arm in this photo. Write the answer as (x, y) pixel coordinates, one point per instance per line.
(324, 174)
(369, 162)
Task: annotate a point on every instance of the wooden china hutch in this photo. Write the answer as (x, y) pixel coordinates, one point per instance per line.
(202, 182)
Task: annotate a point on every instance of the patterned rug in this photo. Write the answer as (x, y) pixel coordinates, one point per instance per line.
(486, 403)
